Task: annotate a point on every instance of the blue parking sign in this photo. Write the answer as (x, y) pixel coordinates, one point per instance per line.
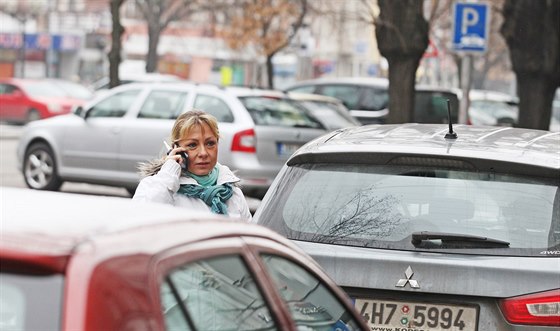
(470, 26)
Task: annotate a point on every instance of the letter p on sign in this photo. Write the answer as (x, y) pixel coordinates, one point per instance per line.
(470, 18)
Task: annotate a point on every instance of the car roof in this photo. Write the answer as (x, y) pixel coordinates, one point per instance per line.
(511, 145)
(435, 88)
(20, 81)
(375, 81)
(51, 225)
(236, 91)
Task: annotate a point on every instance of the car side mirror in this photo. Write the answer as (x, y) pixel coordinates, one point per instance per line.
(78, 110)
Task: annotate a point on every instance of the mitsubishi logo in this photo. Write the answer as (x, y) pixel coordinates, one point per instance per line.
(408, 273)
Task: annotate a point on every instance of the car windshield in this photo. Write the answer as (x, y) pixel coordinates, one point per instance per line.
(30, 302)
(382, 206)
(272, 111)
(329, 114)
(43, 89)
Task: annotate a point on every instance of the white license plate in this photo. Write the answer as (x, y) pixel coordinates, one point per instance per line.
(417, 316)
(284, 149)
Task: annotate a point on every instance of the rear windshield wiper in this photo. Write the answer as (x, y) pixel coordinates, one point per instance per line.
(427, 239)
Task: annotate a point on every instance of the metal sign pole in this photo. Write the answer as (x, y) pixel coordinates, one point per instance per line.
(470, 36)
(466, 74)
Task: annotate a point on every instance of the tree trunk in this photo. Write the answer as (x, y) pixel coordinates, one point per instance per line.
(532, 33)
(402, 36)
(116, 43)
(270, 71)
(402, 72)
(535, 101)
(152, 56)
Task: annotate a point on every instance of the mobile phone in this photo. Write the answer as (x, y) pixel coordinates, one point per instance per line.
(184, 155)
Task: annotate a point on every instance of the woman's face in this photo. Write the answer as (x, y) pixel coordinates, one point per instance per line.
(202, 148)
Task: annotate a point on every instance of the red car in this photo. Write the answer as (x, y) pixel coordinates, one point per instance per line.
(77, 262)
(25, 100)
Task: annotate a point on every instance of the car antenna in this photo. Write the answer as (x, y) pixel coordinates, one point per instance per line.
(450, 134)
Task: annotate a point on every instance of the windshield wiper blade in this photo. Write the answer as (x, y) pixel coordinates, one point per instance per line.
(454, 240)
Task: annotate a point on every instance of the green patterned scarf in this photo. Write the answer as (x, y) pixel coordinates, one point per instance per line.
(213, 195)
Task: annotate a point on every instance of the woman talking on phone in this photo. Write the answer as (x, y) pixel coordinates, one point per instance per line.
(190, 175)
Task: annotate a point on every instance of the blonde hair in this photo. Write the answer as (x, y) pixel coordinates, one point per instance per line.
(182, 127)
(188, 120)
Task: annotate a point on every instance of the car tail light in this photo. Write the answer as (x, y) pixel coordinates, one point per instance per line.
(533, 309)
(244, 141)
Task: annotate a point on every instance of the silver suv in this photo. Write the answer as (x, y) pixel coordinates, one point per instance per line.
(103, 142)
(426, 232)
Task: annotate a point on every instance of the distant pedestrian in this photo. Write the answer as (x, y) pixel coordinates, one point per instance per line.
(195, 180)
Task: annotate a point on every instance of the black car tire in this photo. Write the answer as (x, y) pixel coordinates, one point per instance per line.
(32, 115)
(39, 168)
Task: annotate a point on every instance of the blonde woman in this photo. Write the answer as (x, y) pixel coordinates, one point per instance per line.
(195, 180)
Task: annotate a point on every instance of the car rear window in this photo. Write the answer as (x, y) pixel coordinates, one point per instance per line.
(278, 112)
(30, 302)
(382, 206)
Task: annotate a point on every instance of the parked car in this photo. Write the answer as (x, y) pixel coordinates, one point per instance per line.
(427, 232)
(368, 98)
(104, 141)
(77, 262)
(26, 100)
(492, 108)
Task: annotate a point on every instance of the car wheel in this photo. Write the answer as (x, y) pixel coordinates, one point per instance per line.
(32, 115)
(39, 168)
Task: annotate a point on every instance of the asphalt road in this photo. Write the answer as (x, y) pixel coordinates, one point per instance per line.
(11, 177)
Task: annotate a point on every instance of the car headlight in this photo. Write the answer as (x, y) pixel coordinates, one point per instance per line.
(54, 107)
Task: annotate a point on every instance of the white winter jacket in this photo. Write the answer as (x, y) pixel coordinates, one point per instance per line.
(163, 186)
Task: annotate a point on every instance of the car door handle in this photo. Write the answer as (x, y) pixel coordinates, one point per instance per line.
(116, 130)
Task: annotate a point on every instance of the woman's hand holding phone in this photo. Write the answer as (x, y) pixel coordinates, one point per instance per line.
(183, 161)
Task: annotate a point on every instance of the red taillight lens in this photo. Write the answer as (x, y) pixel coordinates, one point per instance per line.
(533, 309)
(244, 141)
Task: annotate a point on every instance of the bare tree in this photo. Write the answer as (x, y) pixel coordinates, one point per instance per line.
(268, 25)
(158, 14)
(116, 43)
(402, 36)
(532, 32)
